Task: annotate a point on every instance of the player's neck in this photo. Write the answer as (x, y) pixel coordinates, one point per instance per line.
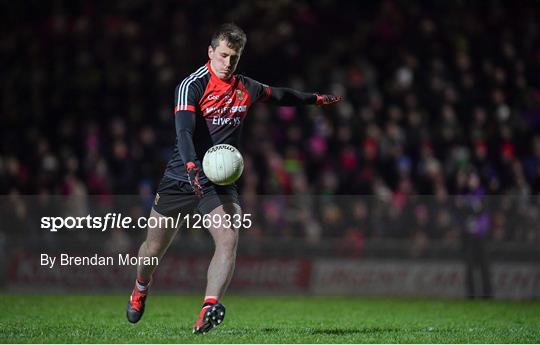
(213, 73)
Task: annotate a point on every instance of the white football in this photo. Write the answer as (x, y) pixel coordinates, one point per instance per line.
(223, 164)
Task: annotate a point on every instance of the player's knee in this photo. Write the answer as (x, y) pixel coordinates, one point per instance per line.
(228, 240)
(155, 248)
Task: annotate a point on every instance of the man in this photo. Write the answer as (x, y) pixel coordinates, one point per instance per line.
(476, 228)
(210, 107)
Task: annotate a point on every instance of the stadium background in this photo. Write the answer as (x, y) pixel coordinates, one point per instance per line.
(380, 195)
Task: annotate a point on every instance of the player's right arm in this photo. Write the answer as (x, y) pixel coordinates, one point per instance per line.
(187, 96)
(185, 126)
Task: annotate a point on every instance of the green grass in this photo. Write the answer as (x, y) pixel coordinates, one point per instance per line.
(251, 319)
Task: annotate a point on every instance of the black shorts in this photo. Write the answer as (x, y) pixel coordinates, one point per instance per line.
(175, 197)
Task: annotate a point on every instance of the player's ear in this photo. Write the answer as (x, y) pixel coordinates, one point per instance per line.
(210, 52)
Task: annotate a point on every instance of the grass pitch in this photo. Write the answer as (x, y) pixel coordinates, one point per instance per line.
(253, 319)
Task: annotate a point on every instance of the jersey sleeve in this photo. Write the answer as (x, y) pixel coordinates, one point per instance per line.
(185, 126)
(187, 95)
(259, 92)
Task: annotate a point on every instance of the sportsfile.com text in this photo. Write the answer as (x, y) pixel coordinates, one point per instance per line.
(119, 221)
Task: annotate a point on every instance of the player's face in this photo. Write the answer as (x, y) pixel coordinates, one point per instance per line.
(224, 59)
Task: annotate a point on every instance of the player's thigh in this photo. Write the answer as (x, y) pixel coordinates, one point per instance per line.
(221, 205)
(174, 199)
(161, 229)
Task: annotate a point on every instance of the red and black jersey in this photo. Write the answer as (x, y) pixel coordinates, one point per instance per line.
(210, 111)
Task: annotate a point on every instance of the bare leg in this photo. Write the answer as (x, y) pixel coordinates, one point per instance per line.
(158, 239)
(156, 244)
(221, 267)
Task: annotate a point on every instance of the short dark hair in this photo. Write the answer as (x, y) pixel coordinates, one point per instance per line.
(232, 34)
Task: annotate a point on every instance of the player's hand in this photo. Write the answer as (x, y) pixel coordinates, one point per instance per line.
(193, 176)
(326, 100)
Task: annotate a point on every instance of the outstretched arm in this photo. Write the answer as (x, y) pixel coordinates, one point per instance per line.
(286, 96)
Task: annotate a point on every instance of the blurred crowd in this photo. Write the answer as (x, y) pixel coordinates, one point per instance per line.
(442, 101)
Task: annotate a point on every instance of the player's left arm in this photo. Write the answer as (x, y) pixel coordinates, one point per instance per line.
(286, 96)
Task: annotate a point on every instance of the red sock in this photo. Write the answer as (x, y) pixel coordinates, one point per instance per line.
(210, 301)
